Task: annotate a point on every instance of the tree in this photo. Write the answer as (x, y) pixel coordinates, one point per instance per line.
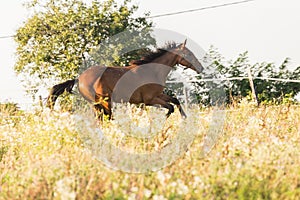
(229, 91)
(54, 42)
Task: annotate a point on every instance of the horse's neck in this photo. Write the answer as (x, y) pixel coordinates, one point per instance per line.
(167, 59)
(164, 64)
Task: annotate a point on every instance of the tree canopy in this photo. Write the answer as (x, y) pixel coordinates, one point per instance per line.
(63, 37)
(54, 42)
(267, 91)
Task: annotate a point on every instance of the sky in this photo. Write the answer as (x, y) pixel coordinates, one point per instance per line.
(268, 29)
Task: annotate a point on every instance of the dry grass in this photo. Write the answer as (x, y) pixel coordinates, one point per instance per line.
(43, 156)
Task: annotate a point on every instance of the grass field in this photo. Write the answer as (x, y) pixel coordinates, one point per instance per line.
(44, 155)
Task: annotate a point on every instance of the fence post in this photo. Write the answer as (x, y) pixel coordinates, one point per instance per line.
(41, 102)
(254, 97)
(185, 94)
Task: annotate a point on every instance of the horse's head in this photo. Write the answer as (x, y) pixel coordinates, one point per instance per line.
(187, 58)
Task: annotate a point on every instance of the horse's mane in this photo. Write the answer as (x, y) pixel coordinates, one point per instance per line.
(152, 55)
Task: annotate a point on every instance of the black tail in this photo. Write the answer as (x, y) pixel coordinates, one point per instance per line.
(58, 89)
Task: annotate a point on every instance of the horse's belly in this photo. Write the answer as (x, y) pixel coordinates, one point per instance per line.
(146, 93)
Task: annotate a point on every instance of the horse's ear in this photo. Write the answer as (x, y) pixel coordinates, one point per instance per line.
(183, 44)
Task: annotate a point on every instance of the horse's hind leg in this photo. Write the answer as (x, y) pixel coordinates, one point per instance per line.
(107, 108)
(101, 110)
(104, 104)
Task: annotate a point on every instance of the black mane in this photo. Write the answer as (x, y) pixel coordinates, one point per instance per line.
(152, 55)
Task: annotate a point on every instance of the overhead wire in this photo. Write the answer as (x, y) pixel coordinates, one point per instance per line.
(178, 12)
(200, 9)
(7, 36)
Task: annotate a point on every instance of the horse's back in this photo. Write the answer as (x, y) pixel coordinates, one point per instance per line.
(99, 81)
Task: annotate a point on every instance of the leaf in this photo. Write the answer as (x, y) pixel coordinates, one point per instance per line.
(60, 32)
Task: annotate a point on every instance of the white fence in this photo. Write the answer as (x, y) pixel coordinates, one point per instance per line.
(39, 100)
(235, 78)
(250, 78)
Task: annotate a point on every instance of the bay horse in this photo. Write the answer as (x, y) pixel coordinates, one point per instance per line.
(143, 81)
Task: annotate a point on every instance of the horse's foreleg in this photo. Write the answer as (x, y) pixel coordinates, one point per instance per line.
(175, 101)
(163, 103)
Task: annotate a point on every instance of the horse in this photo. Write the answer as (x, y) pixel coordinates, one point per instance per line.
(142, 82)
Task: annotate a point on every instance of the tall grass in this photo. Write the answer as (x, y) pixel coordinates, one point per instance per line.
(43, 155)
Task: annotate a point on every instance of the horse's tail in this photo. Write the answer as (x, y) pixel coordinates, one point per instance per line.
(57, 90)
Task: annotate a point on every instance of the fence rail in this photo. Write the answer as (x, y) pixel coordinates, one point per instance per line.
(234, 78)
(249, 77)
(185, 95)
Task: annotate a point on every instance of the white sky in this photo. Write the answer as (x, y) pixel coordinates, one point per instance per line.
(268, 29)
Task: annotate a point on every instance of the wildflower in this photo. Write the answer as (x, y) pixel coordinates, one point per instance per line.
(182, 188)
(147, 193)
(158, 197)
(132, 196)
(161, 177)
(134, 189)
(63, 189)
(197, 182)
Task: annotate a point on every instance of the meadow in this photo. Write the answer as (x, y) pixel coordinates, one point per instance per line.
(46, 155)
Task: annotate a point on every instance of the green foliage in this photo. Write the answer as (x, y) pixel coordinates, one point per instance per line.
(3, 150)
(8, 108)
(54, 42)
(267, 91)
